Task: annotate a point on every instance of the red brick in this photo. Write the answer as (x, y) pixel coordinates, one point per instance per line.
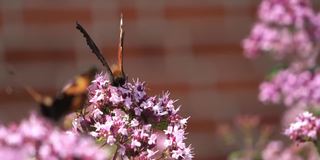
(236, 85)
(39, 55)
(227, 67)
(200, 49)
(174, 88)
(1, 21)
(248, 11)
(210, 125)
(20, 95)
(187, 12)
(133, 56)
(175, 12)
(51, 16)
(273, 119)
(129, 12)
(131, 51)
(226, 84)
(202, 125)
(15, 111)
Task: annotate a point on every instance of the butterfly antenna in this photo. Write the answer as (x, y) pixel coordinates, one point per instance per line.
(13, 76)
(120, 49)
(95, 49)
(34, 94)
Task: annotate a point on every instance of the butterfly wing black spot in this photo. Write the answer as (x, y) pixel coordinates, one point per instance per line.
(59, 108)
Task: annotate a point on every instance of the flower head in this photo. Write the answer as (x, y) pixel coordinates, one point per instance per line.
(35, 138)
(285, 29)
(277, 150)
(305, 128)
(132, 120)
(293, 88)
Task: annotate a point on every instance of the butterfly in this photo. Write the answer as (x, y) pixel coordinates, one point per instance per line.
(72, 97)
(116, 75)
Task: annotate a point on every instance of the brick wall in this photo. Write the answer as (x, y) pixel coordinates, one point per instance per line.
(191, 48)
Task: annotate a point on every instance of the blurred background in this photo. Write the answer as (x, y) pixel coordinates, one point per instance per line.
(190, 48)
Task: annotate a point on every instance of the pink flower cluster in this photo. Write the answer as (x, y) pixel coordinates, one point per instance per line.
(140, 126)
(289, 30)
(294, 88)
(276, 150)
(305, 128)
(35, 138)
(286, 28)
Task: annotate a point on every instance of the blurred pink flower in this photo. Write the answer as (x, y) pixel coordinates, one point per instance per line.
(36, 138)
(275, 150)
(293, 88)
(305, 128)
(285, 28)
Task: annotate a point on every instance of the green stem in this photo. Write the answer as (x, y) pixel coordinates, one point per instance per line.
(115, 154)
(317, 145)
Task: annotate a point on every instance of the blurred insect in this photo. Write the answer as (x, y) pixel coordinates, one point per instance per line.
(116, 75)
(72, 97)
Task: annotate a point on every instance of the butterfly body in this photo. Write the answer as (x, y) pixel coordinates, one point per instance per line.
(118, 76)
(71, 98)
(60, 106)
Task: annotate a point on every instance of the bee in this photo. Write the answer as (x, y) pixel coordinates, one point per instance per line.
(72, 97)
(116, 74)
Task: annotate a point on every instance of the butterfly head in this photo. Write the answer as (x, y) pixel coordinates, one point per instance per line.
(119, 77)
(119, 81)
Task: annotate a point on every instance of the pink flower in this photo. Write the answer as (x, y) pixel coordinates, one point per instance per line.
(285, 29)
(151, 153)
(152, 139)
(36, 135)
(135, 143)
(293, 88)
(305, 128)
(133, 121)
(275, 150)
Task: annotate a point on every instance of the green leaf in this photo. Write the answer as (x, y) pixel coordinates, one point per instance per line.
(275, 70)
(161, 125)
